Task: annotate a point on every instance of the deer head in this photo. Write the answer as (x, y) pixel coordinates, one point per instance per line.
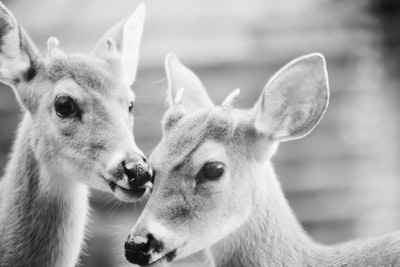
(210, 164)
(80, 107)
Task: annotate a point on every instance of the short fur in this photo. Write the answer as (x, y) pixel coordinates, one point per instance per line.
(40, 225)
(55, 158)
(242, 218)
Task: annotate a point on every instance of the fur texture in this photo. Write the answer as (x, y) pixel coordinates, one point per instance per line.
(61, 151)
(240, 218)
(41, 225)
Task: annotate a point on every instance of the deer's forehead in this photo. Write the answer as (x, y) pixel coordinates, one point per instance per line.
(88, 73)
(231, 129)
(190, 134)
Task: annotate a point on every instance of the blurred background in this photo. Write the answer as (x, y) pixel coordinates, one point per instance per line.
(343, 180)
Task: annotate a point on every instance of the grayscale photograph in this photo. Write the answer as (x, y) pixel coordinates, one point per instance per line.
(201, 133)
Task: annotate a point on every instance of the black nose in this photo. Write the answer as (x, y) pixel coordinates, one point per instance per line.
(138, 249)
(138, 173)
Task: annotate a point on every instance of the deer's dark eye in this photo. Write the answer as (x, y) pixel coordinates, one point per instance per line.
(65, 106)
(212, 171)
(131, 106)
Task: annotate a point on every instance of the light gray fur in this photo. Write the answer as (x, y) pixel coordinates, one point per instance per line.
(34, 225)
(273, 237)
(242, 218)
(57, 157)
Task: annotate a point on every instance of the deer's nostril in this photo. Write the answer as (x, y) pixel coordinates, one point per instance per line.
(154, 244)
(137, 253)
(138, 174)
(138, 249)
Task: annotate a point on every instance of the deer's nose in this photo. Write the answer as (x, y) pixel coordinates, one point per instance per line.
(139, 249)
(137, 171)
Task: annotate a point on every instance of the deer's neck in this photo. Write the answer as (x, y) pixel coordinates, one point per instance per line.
(40, 224)
(271, 236)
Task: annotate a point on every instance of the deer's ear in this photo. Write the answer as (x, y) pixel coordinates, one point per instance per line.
(294, 99)
(17, 56)
(184, 87)
(17, 52)
(124, 39)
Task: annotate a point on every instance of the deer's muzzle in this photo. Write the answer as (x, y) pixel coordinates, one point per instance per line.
(131, 178)
(147, 250)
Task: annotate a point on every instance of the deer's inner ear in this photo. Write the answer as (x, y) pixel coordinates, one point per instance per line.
(294, 100)
(182, 80)
(18, 59)
(123, 41)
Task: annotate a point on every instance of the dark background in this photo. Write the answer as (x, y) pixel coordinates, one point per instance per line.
(343, 180)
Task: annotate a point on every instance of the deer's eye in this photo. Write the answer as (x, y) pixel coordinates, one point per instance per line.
(65, 106)
(131, 106)
(212, 171)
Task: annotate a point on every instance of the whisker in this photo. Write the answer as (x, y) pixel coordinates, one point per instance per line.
(115, 208)
(151, 84)
(197, 261)
(140, 97)
(106, 204)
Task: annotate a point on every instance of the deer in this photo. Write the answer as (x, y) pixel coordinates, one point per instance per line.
(215, 190)
(76, 133)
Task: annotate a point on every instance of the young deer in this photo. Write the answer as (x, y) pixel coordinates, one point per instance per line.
(76, 132)
(215, 189)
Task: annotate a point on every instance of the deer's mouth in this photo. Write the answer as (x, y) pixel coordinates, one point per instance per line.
(128, 194)
(167, 258)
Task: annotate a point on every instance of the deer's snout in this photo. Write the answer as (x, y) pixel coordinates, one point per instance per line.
(130, 176)
(131, 171)
(150, 242)
(137, 172)
(141, 249)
